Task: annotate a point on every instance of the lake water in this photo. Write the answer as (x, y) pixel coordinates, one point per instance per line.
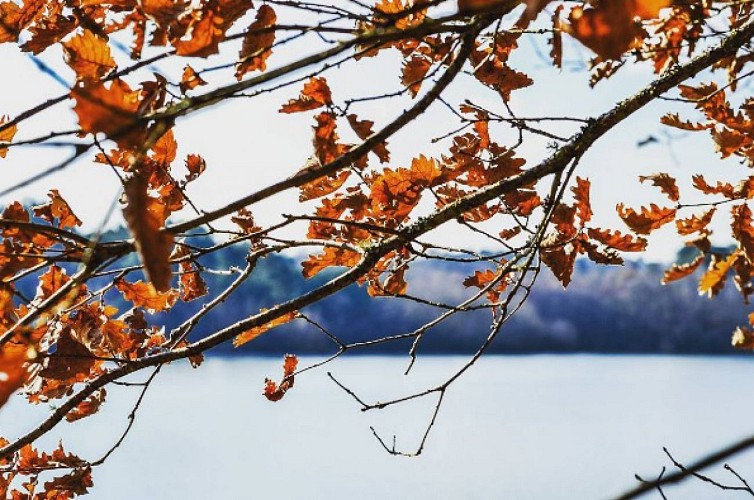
(550, 427)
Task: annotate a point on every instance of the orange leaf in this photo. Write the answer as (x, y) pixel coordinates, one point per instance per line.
(112, 110)
(618, 241)
(145, 295)
(681, 271)
(329, 258)
(743, 231)
(648, 219)
(724, 189)
(414, 71)
(315, 94)
(272, 391)
(255, 332)
(13, 373)
(190, 79)
(88, 407)
(560, 262)
(89, 56)
(363, 129)
(57, 209)
(673, 120)
(195, 165)
(609, 29)
(145, 216)
(694, 223)
(714, 279)
(208, 26)
(6, 136)
(665, 182)
(165, 149)
(257, 46)
(581, 195)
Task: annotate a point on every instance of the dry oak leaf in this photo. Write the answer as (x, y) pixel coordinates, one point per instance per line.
(145, 217)
(88, 407)
(678, 271)
(111, 110)
(13, 371)
(694, 223)
(6, 135)
(143, 294)
(743, 231)
(51, 281)
(196, 165)
(272, 391)
(165, 149)
(71, 360)
(316, 93)
(255, 332)
(363, 129)
(89, 56)
(560, 260)
(57, 209)
(609, 28)
(714, 279)
(618, 241)
(190, 79)
(726, 189)
(665, 182)
(10, 15)
(743, 338)
(414, 71)
(581, 195)
(673, 120)
(330, 257)
(257, 44)
(648, 219)
(208, 26)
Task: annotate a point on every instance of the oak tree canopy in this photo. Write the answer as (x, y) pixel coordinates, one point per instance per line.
(364, 218)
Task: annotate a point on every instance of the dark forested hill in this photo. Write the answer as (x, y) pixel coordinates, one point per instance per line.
(606, 309)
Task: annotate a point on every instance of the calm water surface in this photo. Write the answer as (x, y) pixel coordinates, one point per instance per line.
(550, 427)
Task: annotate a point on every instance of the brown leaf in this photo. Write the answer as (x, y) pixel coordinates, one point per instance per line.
(57, 211)
(13, 373)
(665, 182)
(145, 217)
(618, 241)
(88, 407)
(694, 223)
(561, 262)
(679, 271)
(70, 361)
(111, 110)
(6, 136)
(363, 129)
(208, 26)
(257, 45)
(272, 391)
(190, 79)
(145, 295)
(315, 94)
(329, 258)
(714, 279)
(414, 71)
(581, 195)
(648, 219)
(743, 231)
(255, 332)
(89, 56)
(609, 28)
